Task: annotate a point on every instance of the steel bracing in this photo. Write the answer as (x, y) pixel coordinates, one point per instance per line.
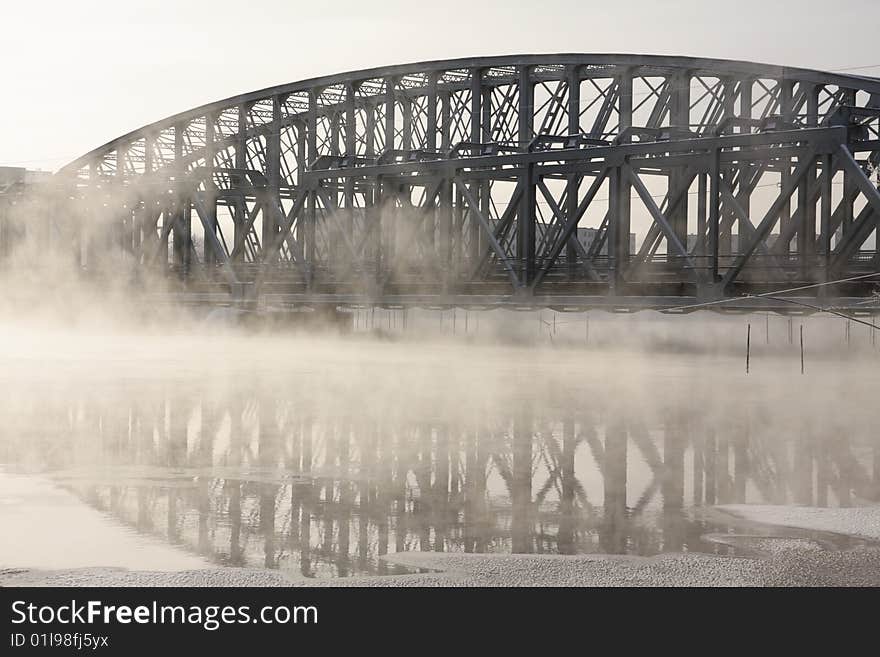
(473, 181)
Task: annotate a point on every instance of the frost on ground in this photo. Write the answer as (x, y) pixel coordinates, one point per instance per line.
(863, 521)
(790, 567)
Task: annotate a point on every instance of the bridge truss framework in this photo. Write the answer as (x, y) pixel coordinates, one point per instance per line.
(464, 182)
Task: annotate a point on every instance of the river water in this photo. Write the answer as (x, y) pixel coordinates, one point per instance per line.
(317, 455)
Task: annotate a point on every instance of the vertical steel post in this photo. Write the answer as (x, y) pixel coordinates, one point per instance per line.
(311, 148)
(350, 151)
(615, 195)
(624, 201)
(431, 119)
(786, 108)
(475, 239)
(806, 239)
(743, 181)
(272, 202)
(527, 220)
(714, 214)
(444, 220)
(390, 119)
(679, 118)
(572, 180)
(210, 196)
(182, 244)
(825, 231)
(239, 215)
(699, 248)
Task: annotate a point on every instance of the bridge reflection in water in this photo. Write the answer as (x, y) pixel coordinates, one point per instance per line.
(248, 477)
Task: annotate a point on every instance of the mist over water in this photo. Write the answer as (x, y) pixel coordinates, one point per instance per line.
(316, 452)
(144, 435)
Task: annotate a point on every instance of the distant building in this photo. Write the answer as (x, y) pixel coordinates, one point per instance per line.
(734, 242)
(11, 177)
(586, 236)
(16, 183)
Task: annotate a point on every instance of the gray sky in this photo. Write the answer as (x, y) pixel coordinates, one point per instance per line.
(78, 74)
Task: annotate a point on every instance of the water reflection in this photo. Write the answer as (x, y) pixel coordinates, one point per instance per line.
(260, 472)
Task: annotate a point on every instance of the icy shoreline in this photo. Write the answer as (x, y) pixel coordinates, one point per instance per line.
(861, 521)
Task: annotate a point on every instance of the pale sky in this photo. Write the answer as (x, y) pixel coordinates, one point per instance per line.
(78, 73)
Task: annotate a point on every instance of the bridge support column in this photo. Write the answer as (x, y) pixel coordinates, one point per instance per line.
(241, 237)
(181, 245)
(679, 118)
(572, 181)
(621, 255)
(272, 202)
(475, 238)
(210, 195)
(526, 221)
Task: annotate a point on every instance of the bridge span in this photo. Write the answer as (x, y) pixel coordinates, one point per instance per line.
(568, 181)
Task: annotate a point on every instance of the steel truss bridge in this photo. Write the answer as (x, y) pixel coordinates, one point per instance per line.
(464, 182)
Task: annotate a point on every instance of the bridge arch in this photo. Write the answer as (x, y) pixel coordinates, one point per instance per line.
(512, 179)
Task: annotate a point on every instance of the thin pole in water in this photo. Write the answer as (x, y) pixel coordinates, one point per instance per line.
(554, 323)
(748, 345)
(587, 329)
(767, 327)
(802, 348)
(789, 331)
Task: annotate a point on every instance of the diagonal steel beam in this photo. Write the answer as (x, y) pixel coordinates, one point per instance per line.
(220, 255)
(665, 227)
(862, 181)
(285, 224)
(746, 223)
(568, 230)
(769, 220)
(861, 229)
(651, 242)
(501, 227)
(247, 228)
(490, 235)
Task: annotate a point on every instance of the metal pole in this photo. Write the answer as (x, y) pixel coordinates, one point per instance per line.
(802, 348)
(748, 345)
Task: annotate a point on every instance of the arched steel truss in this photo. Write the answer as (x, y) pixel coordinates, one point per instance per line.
(465, 182)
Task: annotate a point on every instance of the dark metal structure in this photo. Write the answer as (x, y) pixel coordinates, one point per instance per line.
(464, 182)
